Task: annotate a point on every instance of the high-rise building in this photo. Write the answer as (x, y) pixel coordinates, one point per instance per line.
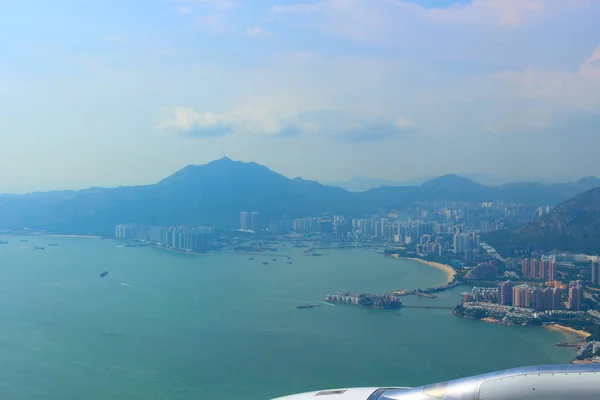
(575, 294)
(525, 267)
(552, 299)
(552, 271)
(544, 267)
(521, 296)
(244, 220)
(534, 268)
(596, 273)
(536, 298)
(255, 221)
(505, 293)
(462, 243)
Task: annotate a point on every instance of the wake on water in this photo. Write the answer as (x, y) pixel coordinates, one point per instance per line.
(126, 284)
(327, 304)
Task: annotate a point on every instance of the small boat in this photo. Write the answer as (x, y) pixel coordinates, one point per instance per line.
(103, 274)
(53, 245)
(265, 263)
(307, 306)
(289, 262)
(289, 258)
(251, 258)
(38, 248)
(3, 242)
(274, 259)
(24, 240)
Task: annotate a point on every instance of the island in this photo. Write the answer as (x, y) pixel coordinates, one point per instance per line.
(383, 301)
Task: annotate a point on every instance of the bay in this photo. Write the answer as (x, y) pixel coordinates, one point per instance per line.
(165, 325)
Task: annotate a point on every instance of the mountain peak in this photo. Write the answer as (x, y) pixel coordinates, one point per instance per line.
(450, 180)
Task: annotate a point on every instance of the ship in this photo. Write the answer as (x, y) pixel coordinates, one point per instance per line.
(306, 306)
(274, 259)
(24, 240)
(53, 245)
(265, 263)
(38, 248)
(103, 274)
(3, 242)
(251, 258)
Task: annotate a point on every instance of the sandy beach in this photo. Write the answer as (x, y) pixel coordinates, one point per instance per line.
(450, 272)
(490, 320)
(561, 328)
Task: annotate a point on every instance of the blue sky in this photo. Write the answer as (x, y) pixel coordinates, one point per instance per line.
(126, 92)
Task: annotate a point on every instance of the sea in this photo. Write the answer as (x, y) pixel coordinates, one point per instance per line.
(167, 325)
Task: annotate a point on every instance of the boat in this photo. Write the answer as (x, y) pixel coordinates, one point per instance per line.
(53, 245)
(306, 306)
(251, 258)
(289, 262)
(24, 240)
(274, 259)
(265, 263)
(103, 274)
(3, 242)
(38, 248)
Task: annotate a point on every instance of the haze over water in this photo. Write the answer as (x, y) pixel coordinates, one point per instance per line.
(164, 325)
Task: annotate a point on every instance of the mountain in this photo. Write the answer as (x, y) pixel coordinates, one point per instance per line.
(211, 194)
(214, 194)
(456, 188)
(363, 183)
(572, 226)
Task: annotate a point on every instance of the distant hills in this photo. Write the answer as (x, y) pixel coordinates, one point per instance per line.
(214, 194)
(572, 226)
(362, 183)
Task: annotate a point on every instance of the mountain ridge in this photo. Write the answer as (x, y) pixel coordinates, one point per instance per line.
(214, 194)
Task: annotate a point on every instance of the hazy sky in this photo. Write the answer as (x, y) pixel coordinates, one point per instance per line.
(103, 93)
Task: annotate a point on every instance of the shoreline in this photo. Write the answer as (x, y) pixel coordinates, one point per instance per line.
(191, 253)
(450, 272)
(561, 328)
(69, 236)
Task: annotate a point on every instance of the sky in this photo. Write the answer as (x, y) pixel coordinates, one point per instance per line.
(122, 92)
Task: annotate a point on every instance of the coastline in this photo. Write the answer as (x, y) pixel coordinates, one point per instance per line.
(71, 236)
(561, 328)
(450, 272)
(191, 253)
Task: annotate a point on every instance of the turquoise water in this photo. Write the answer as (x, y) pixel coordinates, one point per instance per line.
(164, 325)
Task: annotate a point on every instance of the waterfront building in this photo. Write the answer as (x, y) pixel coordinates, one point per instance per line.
(521, 296)
(244, 225)
(552, 299)
(255, 221)
(505, 293)
(575, 295)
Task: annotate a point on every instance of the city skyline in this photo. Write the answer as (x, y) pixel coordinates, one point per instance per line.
(326, 90)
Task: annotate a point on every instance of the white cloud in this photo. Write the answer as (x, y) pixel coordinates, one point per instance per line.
(256, 31)
(395, 22)
(558, 88)
(273, 121)
(504, 13)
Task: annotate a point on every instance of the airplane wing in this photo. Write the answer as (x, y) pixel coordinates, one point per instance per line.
(547, 382)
